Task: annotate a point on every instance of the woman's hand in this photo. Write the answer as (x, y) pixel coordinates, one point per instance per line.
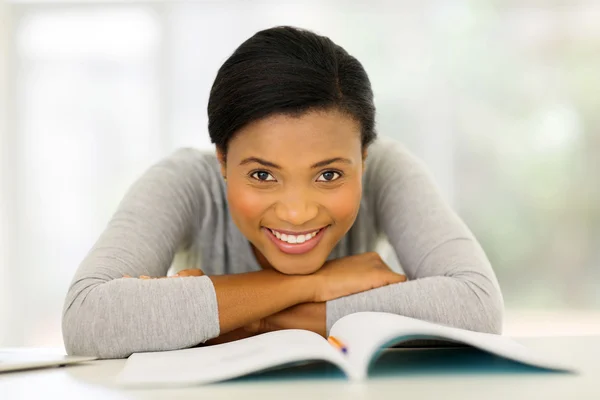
(307, 316)
(180, 274)
(353, 274)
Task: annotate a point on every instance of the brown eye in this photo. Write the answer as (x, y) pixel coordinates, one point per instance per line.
(262, 176)
(329, 176)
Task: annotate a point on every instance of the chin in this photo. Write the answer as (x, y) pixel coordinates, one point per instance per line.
(297, 268)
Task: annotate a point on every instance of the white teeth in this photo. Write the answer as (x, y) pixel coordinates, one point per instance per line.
(293, 239)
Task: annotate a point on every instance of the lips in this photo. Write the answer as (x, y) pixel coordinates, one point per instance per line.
(293, 238)
(296, 243)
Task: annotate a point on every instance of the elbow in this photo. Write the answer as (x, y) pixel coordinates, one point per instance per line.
(488, 316)
(493, 317)
(87, 326)
(83, 335)
(75, 332)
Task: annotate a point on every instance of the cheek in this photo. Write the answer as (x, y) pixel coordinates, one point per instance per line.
(344, 203)
(244, 204)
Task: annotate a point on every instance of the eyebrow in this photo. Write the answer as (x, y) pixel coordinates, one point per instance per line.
(315, 165)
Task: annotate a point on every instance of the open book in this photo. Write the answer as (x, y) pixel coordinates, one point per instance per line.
(364, 335)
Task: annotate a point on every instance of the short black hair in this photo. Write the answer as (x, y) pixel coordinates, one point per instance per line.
(290, 71)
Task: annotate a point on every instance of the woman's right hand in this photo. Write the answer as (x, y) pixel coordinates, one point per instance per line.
(352, 274)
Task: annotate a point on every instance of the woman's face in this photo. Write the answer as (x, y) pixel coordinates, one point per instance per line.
(294, 186)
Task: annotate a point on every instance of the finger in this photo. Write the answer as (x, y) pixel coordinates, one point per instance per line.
(190, 272)
(126, 276)
(144, 277)
(399, 278)
(396, 278)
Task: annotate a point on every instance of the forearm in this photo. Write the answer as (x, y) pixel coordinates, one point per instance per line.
(246, 298)
(454, 285)
(445, 300)
(117, 318)
(452, 301)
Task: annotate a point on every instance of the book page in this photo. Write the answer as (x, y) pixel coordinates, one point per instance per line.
(228, 360)
(366, 333)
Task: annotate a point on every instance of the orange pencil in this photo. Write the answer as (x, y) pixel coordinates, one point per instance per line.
(337, 343)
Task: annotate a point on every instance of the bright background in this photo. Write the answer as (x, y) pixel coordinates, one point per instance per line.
(500, 98)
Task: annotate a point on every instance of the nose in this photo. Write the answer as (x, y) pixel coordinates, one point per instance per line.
(296, 208)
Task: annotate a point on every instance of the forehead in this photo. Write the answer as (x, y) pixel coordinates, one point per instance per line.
(312, 136)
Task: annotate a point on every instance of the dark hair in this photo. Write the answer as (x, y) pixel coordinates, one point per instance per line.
(287, 70)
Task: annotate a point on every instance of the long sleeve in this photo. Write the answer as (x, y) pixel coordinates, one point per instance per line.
(108, 316)
(450, 278)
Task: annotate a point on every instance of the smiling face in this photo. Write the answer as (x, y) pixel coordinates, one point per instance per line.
(294, 186)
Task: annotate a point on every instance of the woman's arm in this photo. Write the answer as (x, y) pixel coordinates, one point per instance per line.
(336, 278)
(450, 278)
(108, 316)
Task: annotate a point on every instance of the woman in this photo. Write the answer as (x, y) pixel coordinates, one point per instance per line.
(277, 229)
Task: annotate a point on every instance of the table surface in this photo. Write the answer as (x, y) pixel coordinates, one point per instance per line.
(401, 373)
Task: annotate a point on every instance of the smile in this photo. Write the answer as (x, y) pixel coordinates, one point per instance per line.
(293, 239)
(295, 243)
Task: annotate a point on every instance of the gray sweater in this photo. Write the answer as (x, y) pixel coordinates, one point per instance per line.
(176, 215)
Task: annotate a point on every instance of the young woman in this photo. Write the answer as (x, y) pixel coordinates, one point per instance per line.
(277, 229)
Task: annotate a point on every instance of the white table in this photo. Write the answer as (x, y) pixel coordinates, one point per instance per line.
(487, 378)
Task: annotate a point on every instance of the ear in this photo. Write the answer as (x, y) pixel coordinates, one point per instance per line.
(364, 160)
(222, 161)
